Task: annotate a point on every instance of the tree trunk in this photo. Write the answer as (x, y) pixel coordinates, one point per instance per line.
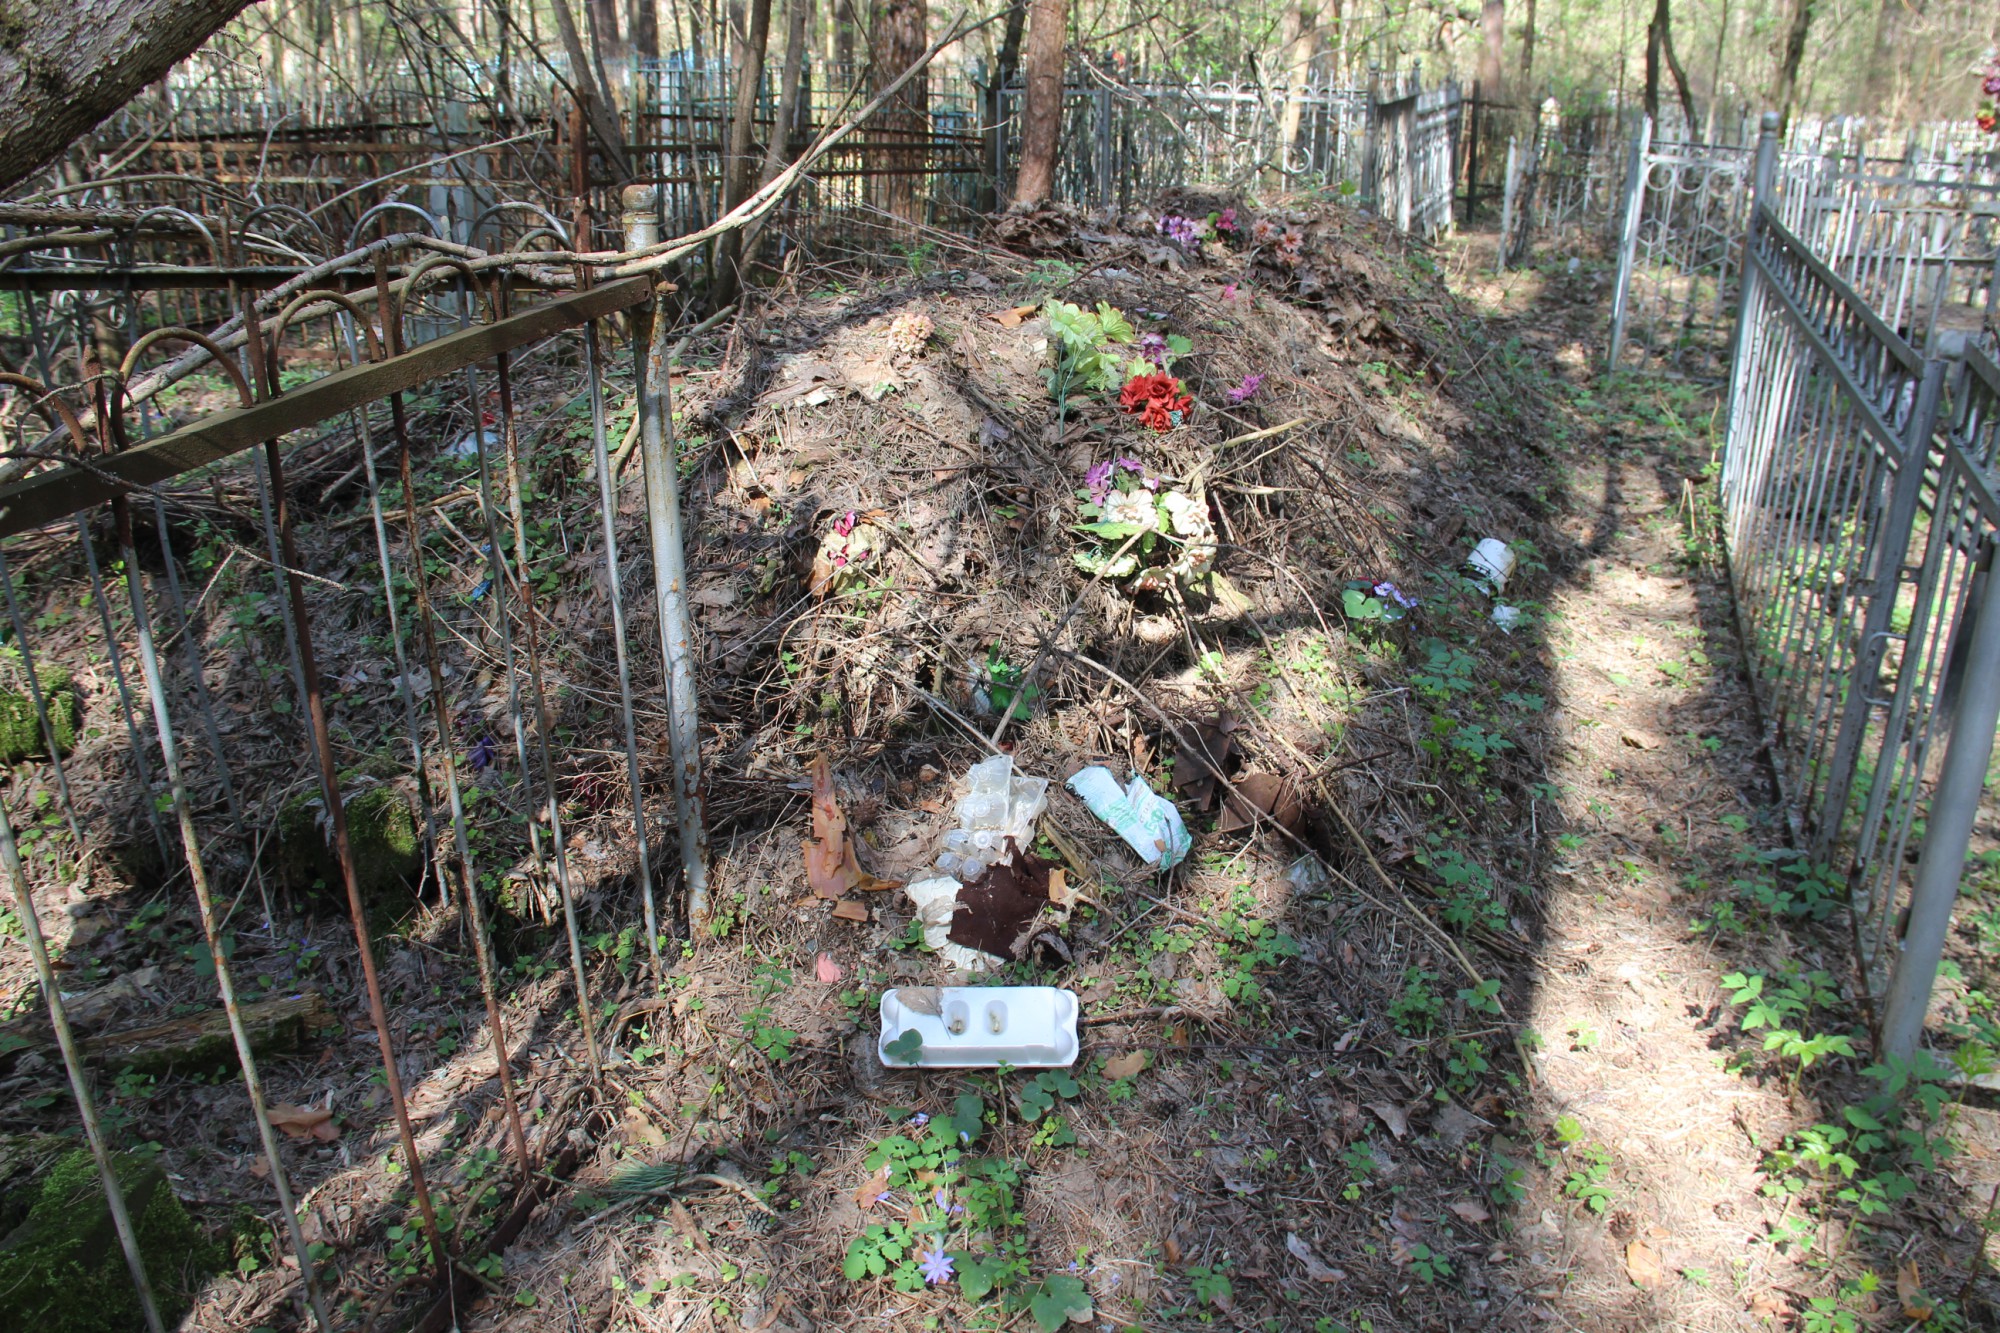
(1005, 67)
(1493, 22)
(1785, 88)
(899, 36)
(604, 35)
(1303, 25)
(778, 153)
(66, 66)
(1041, 116)
(1528, 51)
(740, 161)
(642, 29)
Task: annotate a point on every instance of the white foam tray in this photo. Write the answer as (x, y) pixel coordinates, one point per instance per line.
(1028, 1027)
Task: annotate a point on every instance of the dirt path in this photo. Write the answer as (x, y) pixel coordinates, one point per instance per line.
(1654, 725)
(1646, 1212)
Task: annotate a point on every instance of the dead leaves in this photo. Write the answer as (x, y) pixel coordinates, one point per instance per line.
(831, 869)
(1910, 1293)
(1125, 1066)
(1392, 1116)
(873, 1189)
(1012, 317)
(1471, 1210)
(1260, 796)
(305, 1122)
(828, 971)
(1316, 1269)
(1642, 1265)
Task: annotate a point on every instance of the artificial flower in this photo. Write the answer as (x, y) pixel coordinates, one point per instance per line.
(1250, 385)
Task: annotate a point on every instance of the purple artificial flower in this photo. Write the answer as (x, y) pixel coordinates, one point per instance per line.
(1390, 590)
(1226, 220)
(1229, 291)
(1250, 385)
(1179, 230)
(482, 754)
(1992, 84)
(936, 1265)
(1153, 347)
(1098, 481)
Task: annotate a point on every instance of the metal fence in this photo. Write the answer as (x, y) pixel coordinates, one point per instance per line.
(1916, 238)
(471, 648)
(1393, 142)
(1862, 525)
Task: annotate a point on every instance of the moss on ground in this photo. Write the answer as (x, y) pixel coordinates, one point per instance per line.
(21, 731)
(62, 1270)
(382, 833)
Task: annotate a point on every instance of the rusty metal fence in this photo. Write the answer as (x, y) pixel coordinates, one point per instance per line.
(425, 429)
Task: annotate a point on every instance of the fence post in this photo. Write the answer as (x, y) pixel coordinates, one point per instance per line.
(1747, 305)
(1472, 158)
(664, 528)
(1371, 143)
(1628, 240)
(1948, 833)
(1890, 545)
(1507, 201)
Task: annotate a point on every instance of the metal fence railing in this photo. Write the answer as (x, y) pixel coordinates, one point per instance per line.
(1916, 239)
(1393, 142)
(331, 739)
(1858, 492)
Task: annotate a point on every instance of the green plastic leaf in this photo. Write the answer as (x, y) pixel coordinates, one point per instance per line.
(1058, 1300)
(1179, 345)
(1116, 532)
(1094, 562)
(1115, 326)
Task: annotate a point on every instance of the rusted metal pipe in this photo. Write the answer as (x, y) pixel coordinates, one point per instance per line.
(264, 373)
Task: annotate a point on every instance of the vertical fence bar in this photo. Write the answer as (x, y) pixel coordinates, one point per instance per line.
(663, 515)
(1889, 555)
(79, 1082)
(211, 924)
(1628, 242)
(1948, 831)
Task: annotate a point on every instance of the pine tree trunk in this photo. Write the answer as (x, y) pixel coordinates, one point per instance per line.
(1785, 88)
(642, 29)
(67, 65)
(1041, 115)
(1493, 26)
(901, 32)
(1304, 45)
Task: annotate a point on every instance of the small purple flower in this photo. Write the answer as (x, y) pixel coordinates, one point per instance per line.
(1250, 385)
(1179, 230)
(936, 1265)
(943, 1201)
(482, 754)
(1992, 84)
(920, 1119)
(1229, 291)
(1153, 347)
